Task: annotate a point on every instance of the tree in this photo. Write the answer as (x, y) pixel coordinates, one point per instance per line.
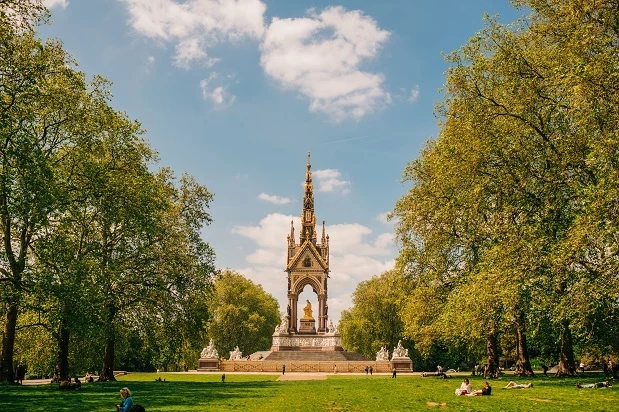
(41, 99)
(242, 314)
(77, 190)
(506, 192)
(375, 319)
(176, 329)
(20, 15)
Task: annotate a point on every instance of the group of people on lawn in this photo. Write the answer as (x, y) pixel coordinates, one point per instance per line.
(466, 389)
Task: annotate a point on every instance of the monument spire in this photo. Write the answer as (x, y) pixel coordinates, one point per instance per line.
(308, 219)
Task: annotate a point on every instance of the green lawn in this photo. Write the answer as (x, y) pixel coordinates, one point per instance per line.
(196, 392)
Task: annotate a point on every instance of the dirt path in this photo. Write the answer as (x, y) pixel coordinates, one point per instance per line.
(302, 376)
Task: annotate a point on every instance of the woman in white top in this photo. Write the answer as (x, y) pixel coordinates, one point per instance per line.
(465, 388)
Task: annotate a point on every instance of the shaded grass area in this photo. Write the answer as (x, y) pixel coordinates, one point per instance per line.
(196, 392)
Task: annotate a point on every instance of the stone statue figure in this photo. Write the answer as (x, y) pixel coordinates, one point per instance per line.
(399, 351)
(332, 328)
(236, 354)
(209, 352)
(382, 354)
(307, 310)
(283, 326)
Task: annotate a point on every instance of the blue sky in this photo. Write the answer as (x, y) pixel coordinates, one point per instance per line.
(237, 92)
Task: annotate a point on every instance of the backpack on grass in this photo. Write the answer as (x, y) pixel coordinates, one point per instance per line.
(137, 408)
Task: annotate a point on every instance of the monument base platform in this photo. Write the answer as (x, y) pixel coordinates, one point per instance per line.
(402, 364)
(205, 365)
(293, 356)
(307, 342)
(311, 348)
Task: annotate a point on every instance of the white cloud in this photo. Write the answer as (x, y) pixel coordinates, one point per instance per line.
(320, 56)
(150, 62)
(329, 180)
(350, 237)
(356, 256)
(218, 95)
(193, 26)
(192, 50)
(414, 94)
(56, 3)
(271, 232)
(276, 200)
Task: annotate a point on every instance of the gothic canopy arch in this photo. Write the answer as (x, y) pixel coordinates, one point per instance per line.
(301, 283)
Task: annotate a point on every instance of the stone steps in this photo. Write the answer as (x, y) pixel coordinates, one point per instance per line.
(315, 356)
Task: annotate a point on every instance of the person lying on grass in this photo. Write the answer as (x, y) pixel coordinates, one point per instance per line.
(435, 374)
(514, 385)
(604, 384)
(486, 390)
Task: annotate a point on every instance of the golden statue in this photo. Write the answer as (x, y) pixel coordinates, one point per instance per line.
(307, 311)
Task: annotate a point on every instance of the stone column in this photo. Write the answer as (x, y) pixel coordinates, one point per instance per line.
(321, 313)
(295, 325)
(292, 301)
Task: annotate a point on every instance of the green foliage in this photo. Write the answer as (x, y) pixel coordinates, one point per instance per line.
(42, 100)
(243, 314)
(96, 245)
(375, 319)
(512, 208)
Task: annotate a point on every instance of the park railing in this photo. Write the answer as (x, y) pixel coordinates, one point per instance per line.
(305, 366)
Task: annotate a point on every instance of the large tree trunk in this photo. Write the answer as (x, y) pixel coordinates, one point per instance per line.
(8, 343)
(523, 364)
(566, 362)
(61, 371)
(107, 368)
(492, 365)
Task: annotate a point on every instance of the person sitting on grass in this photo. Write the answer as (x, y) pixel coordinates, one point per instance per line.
(465, 388)
(514, 385)
(127, 402)
(605, 384)
(486, 390)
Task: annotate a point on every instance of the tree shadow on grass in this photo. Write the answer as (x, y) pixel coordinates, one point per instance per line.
(154, 396)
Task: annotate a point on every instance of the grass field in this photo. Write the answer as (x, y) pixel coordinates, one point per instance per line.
(205, 392)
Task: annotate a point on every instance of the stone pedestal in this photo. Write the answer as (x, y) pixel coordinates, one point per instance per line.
(308, 326)
(402, 364)
(208, 364)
